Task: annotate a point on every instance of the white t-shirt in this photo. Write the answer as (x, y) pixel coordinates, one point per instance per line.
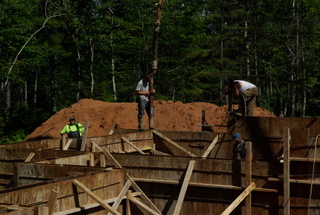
(143, 86)
(245, 85)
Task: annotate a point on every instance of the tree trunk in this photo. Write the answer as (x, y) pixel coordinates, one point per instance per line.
(91, 67)
(79, 73)
(36, 88)
(155, 59)
(247, 49)
(53, 86)
(221, 56)
(113, 67)
(8, 98)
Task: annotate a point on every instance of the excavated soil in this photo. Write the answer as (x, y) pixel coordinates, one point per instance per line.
(104, 116)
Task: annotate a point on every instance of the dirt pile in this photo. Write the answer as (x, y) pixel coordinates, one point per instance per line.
(103, 116)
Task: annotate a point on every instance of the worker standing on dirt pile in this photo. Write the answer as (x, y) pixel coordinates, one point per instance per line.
(239, 148)
(246, 93)
(73, 129)
(142, 90)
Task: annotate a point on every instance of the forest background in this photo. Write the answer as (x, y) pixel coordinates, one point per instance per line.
(54, 53)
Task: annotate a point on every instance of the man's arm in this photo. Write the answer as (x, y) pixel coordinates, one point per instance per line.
(142, 93)
(235, 89)
(64, 130)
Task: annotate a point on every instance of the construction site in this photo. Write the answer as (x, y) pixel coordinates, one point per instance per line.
(183, 166)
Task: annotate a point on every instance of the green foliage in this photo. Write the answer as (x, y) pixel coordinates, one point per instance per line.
(87, 44)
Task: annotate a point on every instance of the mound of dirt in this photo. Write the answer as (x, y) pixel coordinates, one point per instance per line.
(103, 116)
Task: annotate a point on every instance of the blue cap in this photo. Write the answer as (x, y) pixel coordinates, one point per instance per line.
(237, 136)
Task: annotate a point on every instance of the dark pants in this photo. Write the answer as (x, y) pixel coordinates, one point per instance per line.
(249, 97)
(143, 106)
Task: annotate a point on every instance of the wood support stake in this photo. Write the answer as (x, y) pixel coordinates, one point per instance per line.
(142, 206)
(239, 199)
(30, 156)
(102, 160)
(131, 144)
(248, 175)
(174, 144)
(184, 187)
(66, 147)
(84, 138)
(286, 171)
(209, 149)
(128, 208)
(52, 201)
(96, 198)
(121, 195)
(143, 195)
(108, 155)
(203, 119)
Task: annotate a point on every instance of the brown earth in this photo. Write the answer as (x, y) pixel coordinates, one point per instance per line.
(103, 116)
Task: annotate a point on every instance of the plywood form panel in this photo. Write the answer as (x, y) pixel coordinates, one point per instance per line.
(82, 160)
(203, 200)
(114, 143)
(40, 144)
(105, 185)
(28, 173)
(267, 127)
(220, 171)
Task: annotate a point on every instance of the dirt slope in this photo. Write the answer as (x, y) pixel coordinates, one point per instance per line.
(103, 116)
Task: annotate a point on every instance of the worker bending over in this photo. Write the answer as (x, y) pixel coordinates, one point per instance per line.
(246, 93)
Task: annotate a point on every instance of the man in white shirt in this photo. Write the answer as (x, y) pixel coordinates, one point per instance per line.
(246, 93)
(142, 90)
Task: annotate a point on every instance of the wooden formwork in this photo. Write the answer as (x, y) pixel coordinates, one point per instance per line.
(69, 198)
(172, 172)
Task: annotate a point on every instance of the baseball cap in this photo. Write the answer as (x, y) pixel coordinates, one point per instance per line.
(72, 118)
(237, 136)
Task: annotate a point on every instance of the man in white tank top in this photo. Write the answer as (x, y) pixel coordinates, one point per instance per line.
(246, 94)
(143, 92)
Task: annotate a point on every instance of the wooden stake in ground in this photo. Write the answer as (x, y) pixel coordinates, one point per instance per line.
(155, 59)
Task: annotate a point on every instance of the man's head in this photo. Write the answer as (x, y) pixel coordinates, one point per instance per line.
(72, 119)
(230, 82)
(237, 137)
(147, 77)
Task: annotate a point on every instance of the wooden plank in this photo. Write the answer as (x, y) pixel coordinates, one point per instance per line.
(44, 210)
(131, 144)
(63, 140)
(52, 201)
(143, 195)
(173, 143)
(239, 199)
(128, 211)
(209, 149)
(143, 206)
(184, 188)
(66, 147)
(194, 184)
(304, 159)
(286, 171)
(121, 195)
(30, 156)
(84, 137)
(90, 206)
(96, 198)
(108, 155)
(296, 181)
(248, 175)
(102, 160)
(157, 152)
